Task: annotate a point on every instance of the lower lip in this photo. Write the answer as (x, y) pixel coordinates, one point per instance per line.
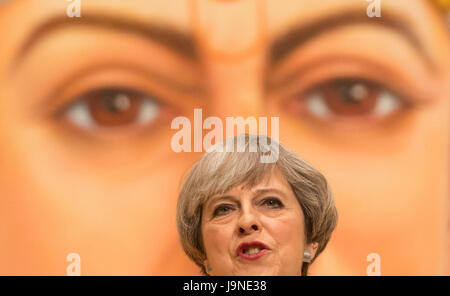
(252, 256)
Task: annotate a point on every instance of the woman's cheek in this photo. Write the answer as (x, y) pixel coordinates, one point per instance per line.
(216, 239)
(286, 230)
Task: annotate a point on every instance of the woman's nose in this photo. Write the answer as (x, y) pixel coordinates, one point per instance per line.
(248, 223)
(253, 227)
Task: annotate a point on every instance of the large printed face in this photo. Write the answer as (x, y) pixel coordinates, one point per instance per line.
(86, 104)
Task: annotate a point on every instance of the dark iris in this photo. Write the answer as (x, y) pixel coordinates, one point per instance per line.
(273, 202)
(110, 103)
(222, 210)
(114, 107)
(350, 97)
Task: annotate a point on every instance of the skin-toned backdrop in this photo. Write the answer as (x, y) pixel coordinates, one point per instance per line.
(76, 177)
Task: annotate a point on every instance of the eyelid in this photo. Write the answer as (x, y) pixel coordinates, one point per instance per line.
(83, 97)
(314, 74)
(79, 112)
(267, 198)
(218, 206)
(107, 76)
(350, 80)
(223, 203)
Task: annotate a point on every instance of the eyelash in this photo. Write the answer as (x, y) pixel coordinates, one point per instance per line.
(107, 98)
(159, 103)
(335, 100)
(299, 96)
(218, 211)
(387, 87)
(221, 207)
(279, 204)
(150, 112)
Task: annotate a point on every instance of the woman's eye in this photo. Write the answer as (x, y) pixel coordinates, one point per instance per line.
(112, 108)
(272, 202)
(222, 210)
(351, 98)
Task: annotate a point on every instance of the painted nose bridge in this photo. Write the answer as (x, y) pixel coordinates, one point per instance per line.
(229, 30)
(236, 90)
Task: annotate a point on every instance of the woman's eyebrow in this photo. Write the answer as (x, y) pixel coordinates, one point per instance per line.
(173, 39)
(213, 200)
(283, 46)
(262, 191)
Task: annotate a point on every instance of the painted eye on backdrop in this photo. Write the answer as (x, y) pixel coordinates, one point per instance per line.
(112, 108)
(350, 98)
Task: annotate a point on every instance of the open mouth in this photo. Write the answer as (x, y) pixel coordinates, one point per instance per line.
(251, 250)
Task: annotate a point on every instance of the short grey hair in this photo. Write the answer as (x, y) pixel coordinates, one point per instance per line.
(217, 172)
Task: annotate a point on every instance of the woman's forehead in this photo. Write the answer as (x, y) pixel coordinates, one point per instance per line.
(273, 180)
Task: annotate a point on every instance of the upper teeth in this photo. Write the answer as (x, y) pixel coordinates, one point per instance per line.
(251, 251)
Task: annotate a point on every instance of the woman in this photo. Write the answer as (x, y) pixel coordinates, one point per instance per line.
(86, 106)
(239, 216)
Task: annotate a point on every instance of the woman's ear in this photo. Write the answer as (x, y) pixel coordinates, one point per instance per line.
(311, 248)
(207, 266)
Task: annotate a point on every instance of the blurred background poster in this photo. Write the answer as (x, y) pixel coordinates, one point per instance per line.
(89, 91)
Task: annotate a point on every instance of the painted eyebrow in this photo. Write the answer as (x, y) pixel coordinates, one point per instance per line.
(288, 42)
(177, 41)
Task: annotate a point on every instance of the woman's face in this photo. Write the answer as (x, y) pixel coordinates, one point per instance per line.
(86, 105)
(254, 231)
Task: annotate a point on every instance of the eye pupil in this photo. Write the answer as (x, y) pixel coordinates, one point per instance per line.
(353, 93)
(273, 203)
(358, 91)
(117, 103)
(114, 107)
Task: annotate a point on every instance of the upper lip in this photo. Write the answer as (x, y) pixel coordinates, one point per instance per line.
(253, 244)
